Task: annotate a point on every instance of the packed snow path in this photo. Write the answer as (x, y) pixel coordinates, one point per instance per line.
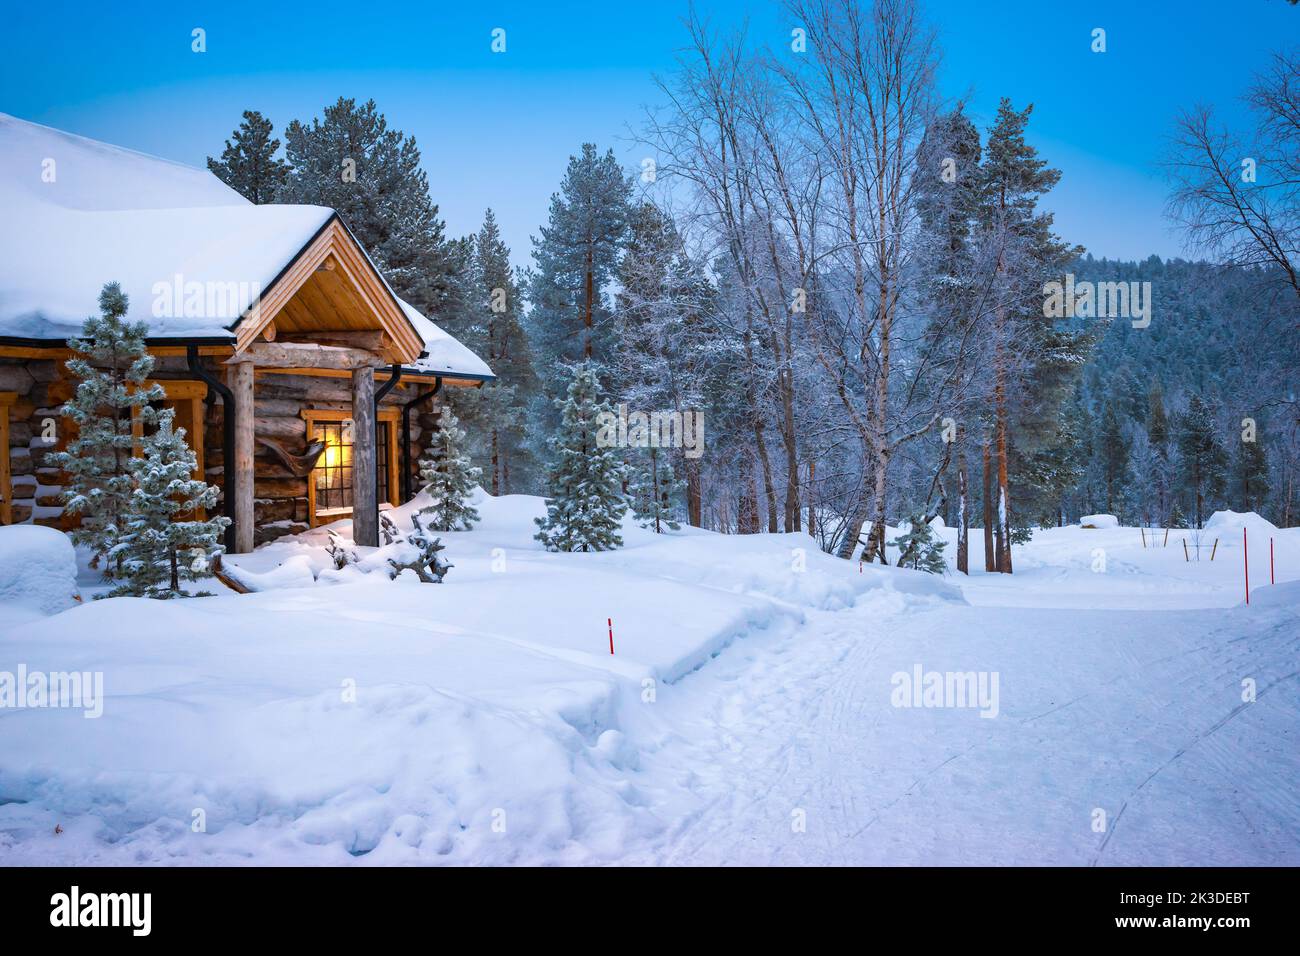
(1137, 714)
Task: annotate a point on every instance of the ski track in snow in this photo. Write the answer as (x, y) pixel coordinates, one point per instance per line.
(1157, 736)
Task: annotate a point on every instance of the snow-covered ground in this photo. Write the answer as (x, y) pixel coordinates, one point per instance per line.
(747, 715)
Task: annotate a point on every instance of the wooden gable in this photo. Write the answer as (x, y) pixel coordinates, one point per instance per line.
(331, 287)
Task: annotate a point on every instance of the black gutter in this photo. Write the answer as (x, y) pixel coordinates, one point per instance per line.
(227, 440)
(62, 343)
(417, 374)
(407, 408)
(394, 376)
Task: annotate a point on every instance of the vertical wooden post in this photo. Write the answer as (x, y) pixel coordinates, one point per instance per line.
(365, 502)
(239, 472)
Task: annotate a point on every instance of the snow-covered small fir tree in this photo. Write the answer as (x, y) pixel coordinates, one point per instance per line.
(448, 477)
(155, 552)
(918, 548)
(585, 503)
(654, 490)
(112, 364)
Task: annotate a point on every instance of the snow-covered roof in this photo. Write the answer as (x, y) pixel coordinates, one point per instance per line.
(443, 354)
(80, 213)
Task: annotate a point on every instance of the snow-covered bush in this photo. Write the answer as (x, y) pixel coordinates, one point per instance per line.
(340, 552)
(1099, 521)
(418, 552)
(919, 548)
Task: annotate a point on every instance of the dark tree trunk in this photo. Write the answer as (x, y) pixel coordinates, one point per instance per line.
(963, 508)
(990, 558)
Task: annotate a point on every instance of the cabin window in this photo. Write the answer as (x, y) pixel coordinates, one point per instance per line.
(329, 488)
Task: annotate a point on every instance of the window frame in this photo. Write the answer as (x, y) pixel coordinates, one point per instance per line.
(389, 416)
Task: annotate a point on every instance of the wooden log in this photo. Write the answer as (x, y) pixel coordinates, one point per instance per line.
(270, 468)
(276, 509)
(219, 572)
(280, 427)
(15, 378)
(369, 340)
(241, 385)
(280, 487)
(276, 407)
(307, 355)
(365, 504)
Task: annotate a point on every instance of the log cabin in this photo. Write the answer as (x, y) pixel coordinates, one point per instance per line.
(303, 382)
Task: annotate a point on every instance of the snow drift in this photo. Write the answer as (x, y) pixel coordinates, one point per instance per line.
(38, 572)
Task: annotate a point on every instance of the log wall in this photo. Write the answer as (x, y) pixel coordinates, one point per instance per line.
(280, 500)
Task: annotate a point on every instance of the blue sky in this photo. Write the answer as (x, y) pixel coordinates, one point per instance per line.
(497, 129)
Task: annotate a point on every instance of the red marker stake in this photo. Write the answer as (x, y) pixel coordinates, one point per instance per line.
(1271, 578)
(610, 622)
(1245, 556)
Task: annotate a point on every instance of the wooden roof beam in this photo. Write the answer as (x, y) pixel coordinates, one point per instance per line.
(307, 355)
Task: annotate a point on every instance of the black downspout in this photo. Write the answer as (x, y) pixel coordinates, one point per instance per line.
(406, 436)
(395, 376)
(228, 479)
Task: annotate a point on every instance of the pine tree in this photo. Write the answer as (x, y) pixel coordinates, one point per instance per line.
(249, 164)
(918, 548)
(156, 552)
(946, 205)
(448, 477)
(654, 491)
(351, 161)
(586, 503)
(112, 363)
(1158, 435)
(576, 256)
(1157, 420)
(496, 412)
(1250, 475)
(1034, 363)
(1202, 458)
(1114, 449)
(661, 303)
